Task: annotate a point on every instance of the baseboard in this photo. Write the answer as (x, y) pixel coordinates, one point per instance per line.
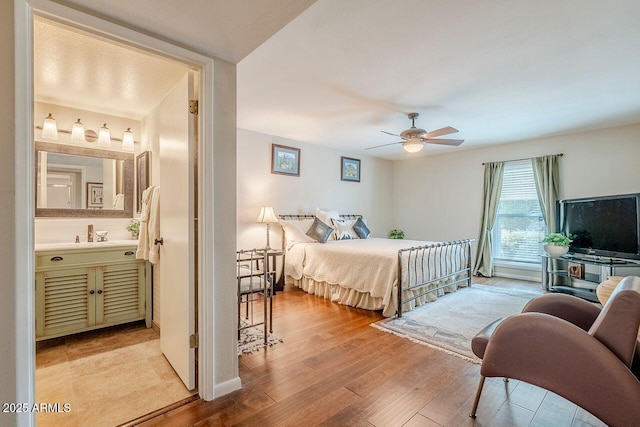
(518, 277)
(227, 387)
(155, 326)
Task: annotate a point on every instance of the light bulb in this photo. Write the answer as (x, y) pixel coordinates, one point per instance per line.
(104, 136)
(127, 140)
(77, 132)
(50, 128)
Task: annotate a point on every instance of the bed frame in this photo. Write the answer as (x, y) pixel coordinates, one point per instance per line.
(440, 258)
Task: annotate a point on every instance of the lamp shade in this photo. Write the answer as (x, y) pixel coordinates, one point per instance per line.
(77, 132)
(412, 145)
(127, 140)
(50, 128)
(104, 136)
(267, 215)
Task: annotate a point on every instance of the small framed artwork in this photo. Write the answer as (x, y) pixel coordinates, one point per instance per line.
(94, 195)
(576, 270)
(349, 169)
(143, 164)
(285, 160)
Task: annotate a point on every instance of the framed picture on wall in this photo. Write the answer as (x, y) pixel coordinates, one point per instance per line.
(285, 160)
(143, 166)
(349, 169)
(94, 195)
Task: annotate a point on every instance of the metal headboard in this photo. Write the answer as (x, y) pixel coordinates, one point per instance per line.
(310, 216)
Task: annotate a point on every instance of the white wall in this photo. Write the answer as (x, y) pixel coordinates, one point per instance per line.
(440, 197)
(318, 185)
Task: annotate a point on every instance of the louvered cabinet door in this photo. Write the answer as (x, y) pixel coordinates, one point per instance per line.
(120, 293)
(65, 301)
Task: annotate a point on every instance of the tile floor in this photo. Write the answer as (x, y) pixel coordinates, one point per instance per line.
(108, 376)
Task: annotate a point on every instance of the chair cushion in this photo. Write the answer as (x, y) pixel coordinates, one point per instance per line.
(480, 341)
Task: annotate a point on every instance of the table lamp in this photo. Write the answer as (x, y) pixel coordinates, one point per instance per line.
(267, 216)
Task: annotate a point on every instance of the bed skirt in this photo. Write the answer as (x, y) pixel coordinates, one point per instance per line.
(354, 298)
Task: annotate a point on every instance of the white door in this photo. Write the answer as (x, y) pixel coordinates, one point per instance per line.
(177, 254)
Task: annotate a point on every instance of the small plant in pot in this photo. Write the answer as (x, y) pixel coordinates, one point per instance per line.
(556, 244)
(134, 228)
(396, 234)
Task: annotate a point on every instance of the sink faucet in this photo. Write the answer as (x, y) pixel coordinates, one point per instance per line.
(90, 233)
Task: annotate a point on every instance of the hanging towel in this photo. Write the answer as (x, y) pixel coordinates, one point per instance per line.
(154, 226)
(147, 236)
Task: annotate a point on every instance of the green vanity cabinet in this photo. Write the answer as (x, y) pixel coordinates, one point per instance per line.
(81, 289)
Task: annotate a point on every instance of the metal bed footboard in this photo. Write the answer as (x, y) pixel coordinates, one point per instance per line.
(422, 266)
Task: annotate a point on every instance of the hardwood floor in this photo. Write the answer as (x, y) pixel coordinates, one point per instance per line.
(333, 369)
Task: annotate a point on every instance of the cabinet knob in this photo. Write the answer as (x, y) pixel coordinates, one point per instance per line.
(159, 241)
(92, 292)
(56, 258)
(129, 253)
(99, 291)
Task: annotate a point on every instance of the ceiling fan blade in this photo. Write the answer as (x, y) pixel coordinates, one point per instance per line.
(389, 133)
(453, 142)
(440, 132)
(384, 145)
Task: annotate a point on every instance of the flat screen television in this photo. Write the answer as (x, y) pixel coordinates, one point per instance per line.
(603, 226)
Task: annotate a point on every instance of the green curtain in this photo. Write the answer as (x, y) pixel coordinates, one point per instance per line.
(491, 197)
(545, 173)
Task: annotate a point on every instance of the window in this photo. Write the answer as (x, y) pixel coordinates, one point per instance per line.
(519, 225)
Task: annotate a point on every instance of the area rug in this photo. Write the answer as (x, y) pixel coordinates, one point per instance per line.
(252, 339)
(450, 322)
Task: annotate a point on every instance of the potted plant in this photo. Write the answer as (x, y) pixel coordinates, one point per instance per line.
(134, 228)
(396, 234)
(556, 244)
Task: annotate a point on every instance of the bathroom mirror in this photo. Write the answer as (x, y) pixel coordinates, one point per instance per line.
(76, 182)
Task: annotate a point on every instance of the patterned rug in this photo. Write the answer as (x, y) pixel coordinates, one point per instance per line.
(252, 339)
(449, 323)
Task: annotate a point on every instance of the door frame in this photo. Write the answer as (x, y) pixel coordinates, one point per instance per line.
(24, 13)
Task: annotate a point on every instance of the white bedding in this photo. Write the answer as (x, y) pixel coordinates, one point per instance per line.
(361, 273)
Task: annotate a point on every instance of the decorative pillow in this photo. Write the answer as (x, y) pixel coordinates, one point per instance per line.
(361, 229)
(319, 231)
(326, 217)
(342, 229)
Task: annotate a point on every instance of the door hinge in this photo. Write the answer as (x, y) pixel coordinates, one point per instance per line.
(193, 107)
(194, 341)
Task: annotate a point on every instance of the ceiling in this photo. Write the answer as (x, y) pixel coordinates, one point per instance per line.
(499, 71)
(79, 71)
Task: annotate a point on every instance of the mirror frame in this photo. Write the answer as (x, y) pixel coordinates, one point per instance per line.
(89, 152)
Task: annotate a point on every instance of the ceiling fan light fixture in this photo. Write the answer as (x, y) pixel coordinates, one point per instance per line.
(412, 145)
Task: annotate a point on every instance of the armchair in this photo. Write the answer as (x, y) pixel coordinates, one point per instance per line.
(573, 348)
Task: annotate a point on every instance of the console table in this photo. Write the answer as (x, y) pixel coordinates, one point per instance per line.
(556, 275)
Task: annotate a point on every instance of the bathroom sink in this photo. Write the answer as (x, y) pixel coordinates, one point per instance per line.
(84, 245)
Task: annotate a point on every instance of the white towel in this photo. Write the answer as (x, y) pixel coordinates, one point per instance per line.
(154, 226)
(149, 225)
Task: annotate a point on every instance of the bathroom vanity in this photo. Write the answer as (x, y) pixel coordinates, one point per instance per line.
(85, 286)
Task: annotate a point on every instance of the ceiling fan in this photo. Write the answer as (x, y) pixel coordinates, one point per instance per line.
(413, 139)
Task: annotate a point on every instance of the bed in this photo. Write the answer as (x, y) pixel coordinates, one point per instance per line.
(393, 276)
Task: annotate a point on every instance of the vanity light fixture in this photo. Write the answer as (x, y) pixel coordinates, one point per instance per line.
(77, 132)
(50, 128)
(80, 135)
(127, 140)
(104, 136)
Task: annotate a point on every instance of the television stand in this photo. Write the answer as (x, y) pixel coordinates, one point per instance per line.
(580, 276)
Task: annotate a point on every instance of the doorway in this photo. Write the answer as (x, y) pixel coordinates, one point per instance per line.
(102, 357)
